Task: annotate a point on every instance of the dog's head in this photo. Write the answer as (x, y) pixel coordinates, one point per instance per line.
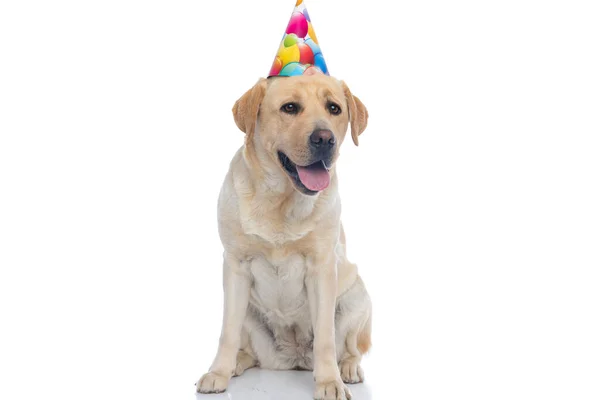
(300, 123)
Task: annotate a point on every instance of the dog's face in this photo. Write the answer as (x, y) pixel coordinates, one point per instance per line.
(301, 122)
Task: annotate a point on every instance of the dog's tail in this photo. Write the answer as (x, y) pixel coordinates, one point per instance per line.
(364, 337)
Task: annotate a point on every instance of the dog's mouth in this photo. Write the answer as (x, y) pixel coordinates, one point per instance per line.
(309, 179)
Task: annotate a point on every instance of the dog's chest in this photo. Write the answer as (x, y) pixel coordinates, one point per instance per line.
(278, 290)
(278, 227)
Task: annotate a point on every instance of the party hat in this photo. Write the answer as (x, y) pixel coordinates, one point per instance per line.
(299, 50)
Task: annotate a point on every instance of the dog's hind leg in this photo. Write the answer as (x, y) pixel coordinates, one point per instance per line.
(245, 357)
(356, 344)
(244, 361)
(353, 332)
(262, 346)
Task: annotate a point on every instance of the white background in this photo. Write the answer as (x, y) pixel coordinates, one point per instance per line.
(471, 205)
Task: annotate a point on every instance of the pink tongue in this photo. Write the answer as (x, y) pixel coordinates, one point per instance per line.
(315, 177)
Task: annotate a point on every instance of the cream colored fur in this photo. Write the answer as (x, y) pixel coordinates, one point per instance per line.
(292, 298)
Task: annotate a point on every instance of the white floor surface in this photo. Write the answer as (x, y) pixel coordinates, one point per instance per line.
(260, 384)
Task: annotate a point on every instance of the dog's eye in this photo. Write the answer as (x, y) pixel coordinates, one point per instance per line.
(290, 108)
(334, 108)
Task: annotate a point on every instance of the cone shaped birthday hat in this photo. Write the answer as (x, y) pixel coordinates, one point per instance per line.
(299, 50)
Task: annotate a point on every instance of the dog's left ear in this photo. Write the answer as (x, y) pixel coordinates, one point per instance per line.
(358, 114)
(245, 110)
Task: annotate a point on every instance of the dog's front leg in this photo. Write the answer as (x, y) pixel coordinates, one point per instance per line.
(321, 285)
(236, 288)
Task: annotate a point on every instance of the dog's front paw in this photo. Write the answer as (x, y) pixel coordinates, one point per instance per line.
(351, 371)
(334, 390)
(212, 383)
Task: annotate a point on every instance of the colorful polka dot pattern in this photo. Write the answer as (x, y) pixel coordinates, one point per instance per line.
(299, 49)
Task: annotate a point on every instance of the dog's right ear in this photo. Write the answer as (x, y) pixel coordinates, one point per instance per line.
(245, 110)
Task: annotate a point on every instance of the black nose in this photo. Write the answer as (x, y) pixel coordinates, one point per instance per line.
(322, 139)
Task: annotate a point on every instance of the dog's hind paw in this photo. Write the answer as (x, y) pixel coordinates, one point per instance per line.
(351, 371)
(244, 362)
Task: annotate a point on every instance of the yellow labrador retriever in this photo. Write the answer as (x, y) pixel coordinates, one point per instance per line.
(292, 298)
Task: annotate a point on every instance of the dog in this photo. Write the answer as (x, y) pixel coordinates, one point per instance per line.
(292, 300)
